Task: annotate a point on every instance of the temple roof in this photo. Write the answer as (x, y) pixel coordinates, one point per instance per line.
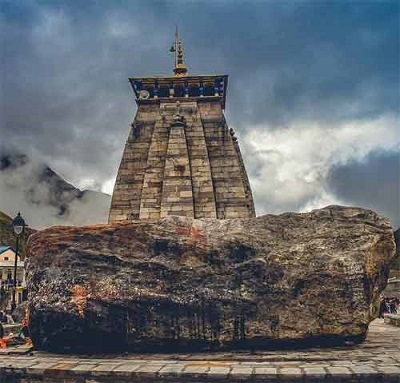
(180, 84)
(193, 86)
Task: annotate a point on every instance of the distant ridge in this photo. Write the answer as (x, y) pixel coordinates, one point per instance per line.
(43, 197)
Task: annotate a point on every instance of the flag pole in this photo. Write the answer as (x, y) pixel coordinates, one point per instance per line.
(176, 45)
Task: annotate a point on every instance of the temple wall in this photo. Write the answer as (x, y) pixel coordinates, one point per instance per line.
(180, 158)
(126, 199)
(177, 193)
(229, 178)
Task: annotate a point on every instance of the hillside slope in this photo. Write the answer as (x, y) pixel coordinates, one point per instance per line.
(44, 198)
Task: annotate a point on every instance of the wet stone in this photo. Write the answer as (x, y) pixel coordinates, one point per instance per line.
(196, 370)
(149, 368)
(319, 371)
(339, 371)
(219, 371)
(241, 373)
(172, 369)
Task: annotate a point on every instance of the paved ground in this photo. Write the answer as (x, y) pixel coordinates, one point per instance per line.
(376, 360)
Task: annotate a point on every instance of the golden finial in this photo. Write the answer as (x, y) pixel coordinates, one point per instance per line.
(180, 70)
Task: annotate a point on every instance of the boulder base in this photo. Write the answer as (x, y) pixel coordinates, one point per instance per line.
(201, 283)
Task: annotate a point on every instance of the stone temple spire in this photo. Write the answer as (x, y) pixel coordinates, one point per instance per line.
(180, 70)
(180, 157)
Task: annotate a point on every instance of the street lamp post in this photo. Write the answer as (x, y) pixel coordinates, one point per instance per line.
(18, 227)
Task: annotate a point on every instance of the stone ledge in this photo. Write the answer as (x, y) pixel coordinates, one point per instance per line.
(392, 319)
(376, 360)
(132, 372)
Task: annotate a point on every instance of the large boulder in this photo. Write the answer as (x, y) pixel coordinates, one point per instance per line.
(198, 283)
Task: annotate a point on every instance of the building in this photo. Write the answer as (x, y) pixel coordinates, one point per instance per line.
(7, 264)
(180, 157)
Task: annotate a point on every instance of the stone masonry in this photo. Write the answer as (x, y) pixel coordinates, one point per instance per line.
(375, 361)
(180, 157)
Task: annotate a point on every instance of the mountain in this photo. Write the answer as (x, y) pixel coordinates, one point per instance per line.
(44, 198)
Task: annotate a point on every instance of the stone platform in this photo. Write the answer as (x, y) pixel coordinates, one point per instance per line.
(392, 319)
(376, 360)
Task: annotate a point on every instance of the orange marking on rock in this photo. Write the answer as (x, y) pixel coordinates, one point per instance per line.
(79, 298)
(183, 231)
(196, 235)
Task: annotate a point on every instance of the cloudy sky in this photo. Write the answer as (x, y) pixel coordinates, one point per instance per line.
(313, 90)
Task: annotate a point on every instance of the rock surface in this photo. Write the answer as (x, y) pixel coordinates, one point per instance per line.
(201, 283)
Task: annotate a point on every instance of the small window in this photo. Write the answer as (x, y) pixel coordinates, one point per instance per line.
(179, 91)
(209, 90)
(194, 91)
(6, 258)
(163, 91)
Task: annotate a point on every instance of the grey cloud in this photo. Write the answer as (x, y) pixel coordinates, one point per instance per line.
(373, 183)
(332, 62)
(30, 186)
(66, 96)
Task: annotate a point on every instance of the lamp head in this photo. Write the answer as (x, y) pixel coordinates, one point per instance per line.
(18, 225)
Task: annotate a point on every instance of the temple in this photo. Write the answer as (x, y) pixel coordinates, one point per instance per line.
(180, 157)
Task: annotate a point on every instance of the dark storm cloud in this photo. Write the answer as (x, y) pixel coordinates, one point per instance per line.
(339, 65)
(372, 183)
(65, 65)
(65, 89)
(325, 60)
